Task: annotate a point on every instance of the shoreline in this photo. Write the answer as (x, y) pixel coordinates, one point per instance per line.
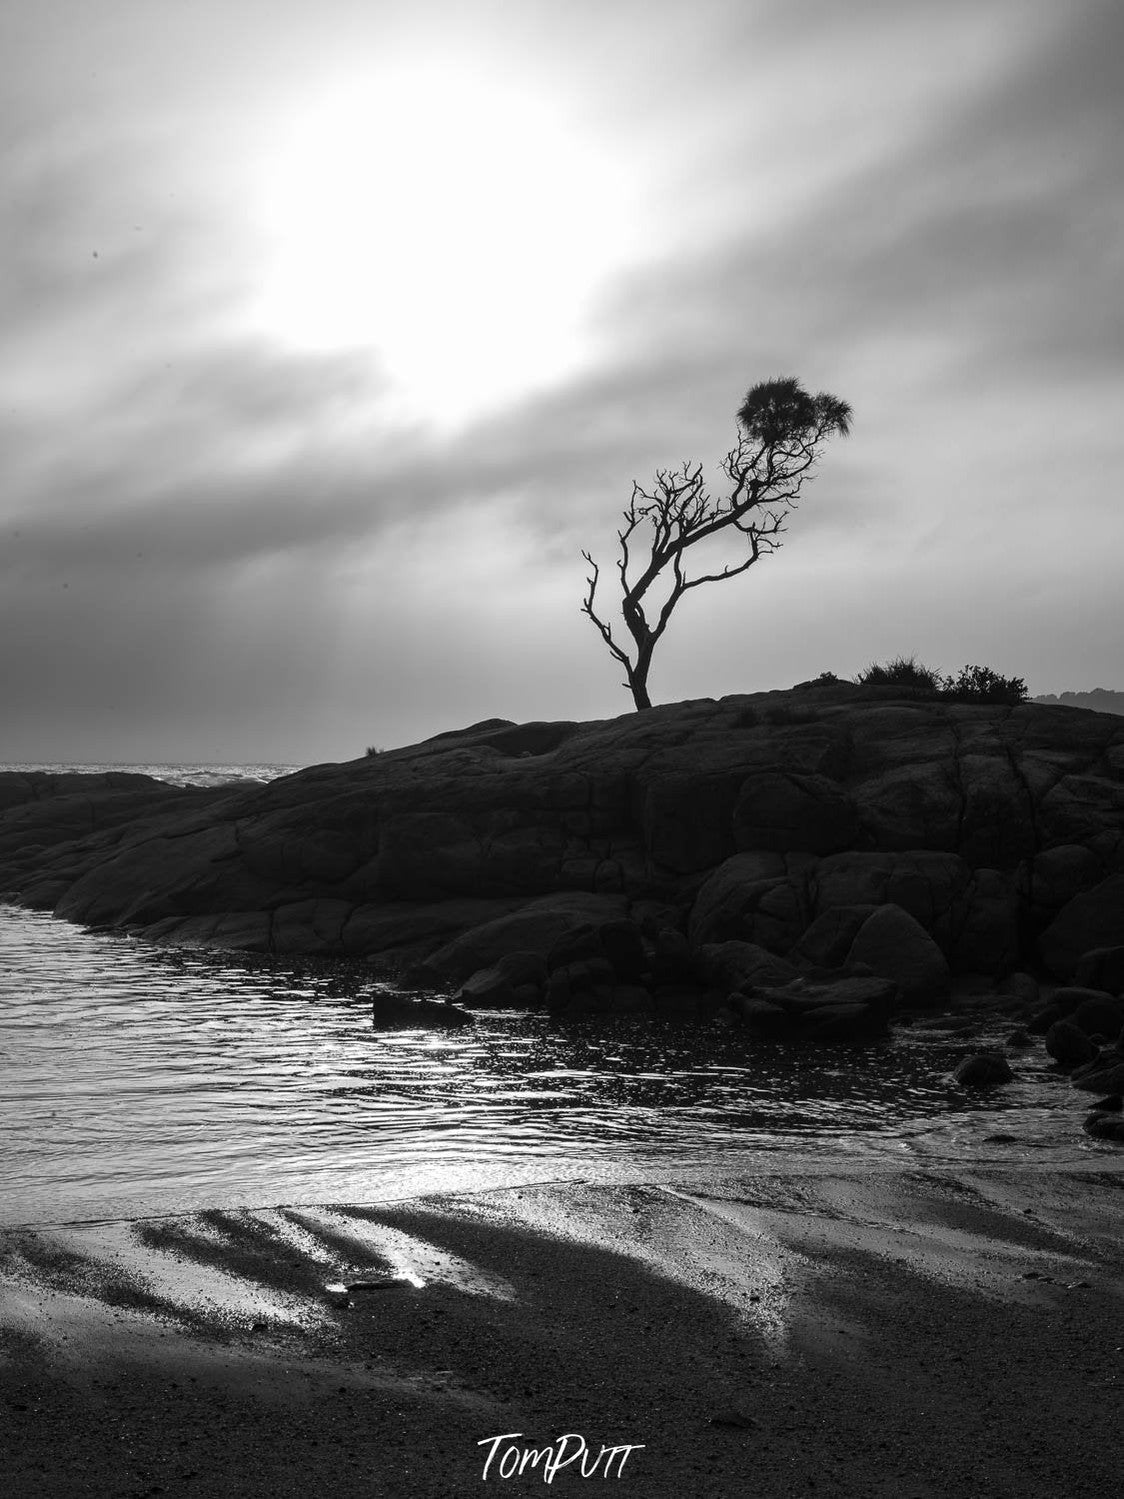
(912, 1330)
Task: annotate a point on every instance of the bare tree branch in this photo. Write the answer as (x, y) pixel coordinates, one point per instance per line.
(781, 431)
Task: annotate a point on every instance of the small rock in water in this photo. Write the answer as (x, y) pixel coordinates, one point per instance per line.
(396, 1012)
(1105, 1126)
(1069, 1045)
(985, 1069)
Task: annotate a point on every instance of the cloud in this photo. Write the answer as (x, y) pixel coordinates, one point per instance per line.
(918, 207)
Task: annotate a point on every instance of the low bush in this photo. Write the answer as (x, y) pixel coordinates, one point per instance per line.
(979, 684)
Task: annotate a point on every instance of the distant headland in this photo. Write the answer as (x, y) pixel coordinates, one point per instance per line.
(1098, 699)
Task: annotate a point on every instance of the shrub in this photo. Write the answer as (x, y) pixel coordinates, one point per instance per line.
(903, 671)
(825, 679)
(373, 749)
(979, 684)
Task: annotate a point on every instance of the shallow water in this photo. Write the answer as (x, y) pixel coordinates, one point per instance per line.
(139, 1081)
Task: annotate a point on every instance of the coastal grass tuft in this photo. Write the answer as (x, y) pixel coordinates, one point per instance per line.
(902, 671)
(974, 684)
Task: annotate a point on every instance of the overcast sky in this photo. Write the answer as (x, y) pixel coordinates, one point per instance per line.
(332, 333)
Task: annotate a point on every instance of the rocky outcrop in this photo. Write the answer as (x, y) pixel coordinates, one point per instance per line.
(835, 827)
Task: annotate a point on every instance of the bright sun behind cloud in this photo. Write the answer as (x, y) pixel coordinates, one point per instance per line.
(454, 225)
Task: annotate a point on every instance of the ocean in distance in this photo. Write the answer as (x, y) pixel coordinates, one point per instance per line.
(175, 775)
(137, 1080)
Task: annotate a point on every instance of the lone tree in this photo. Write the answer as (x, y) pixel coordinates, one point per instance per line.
(781, 429)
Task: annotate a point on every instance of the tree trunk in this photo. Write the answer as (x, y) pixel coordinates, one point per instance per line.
(639, 686)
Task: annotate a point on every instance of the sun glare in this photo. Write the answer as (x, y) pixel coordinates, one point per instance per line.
(455, 227)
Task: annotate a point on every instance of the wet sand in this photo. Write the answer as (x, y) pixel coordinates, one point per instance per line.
(818, 1331)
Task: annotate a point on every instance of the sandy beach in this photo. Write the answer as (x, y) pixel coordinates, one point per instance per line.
(816, 1331)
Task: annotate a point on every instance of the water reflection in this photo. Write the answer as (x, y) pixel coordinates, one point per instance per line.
(138, 1081)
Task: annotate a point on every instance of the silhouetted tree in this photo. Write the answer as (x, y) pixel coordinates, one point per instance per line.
(781, 429)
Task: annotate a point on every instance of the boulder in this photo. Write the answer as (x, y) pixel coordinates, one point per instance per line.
(1069, 1045)
(391, 1011)
(533, 928)
(848, 1009)
(1068, 997)
(1022, 986)
(827, 941)
(732, 965)
(1100, 1016)
(1101, 968)
(517, 979)
(623, 946)
(1103, 1125)
(983, 1069)
(763, 1018)
(732, 891)
(1041, 1021)
(1052, 878)
(1095, 918)
(934, 888)
(895, 946)
(1106, 1076)
(574, 946)
(771, 913)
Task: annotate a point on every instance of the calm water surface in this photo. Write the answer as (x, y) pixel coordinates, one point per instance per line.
(135, 1080)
